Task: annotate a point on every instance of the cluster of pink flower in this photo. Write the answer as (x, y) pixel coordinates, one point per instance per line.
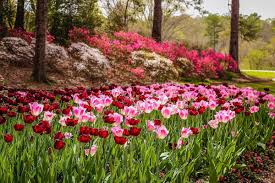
(27, 36)
(121, 110)
(207, 63)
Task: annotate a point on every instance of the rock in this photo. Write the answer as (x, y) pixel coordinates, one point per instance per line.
(184, 67)
(156, 66)
(79, 60)
(15, 51)
(58, 59)
(89, 61)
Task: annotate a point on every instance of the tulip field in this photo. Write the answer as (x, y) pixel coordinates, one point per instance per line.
(137, 134)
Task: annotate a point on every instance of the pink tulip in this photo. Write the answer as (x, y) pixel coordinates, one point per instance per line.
(78, 111)
(48, 116)
(150, 126)
(161, 132)
(213, 124)
(117, 131)
(107, 101)
(183, 114)
(186, 132)
(130, 111)
(68, 135)
(91, 151)
(271, 115)
(118, 118)
(166, 112)
(62, 120)
(271, 105)
(36, 108)
(212, 105)
(254, 109)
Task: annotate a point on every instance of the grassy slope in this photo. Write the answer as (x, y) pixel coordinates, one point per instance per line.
(263, 75)
(259, 86)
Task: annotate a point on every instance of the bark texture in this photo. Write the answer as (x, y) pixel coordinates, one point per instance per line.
(234, 36)
(39, 73)
(20, 15)
(157, 21)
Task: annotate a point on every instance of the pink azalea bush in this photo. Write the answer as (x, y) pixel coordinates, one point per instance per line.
(207, 64)
(28, 36)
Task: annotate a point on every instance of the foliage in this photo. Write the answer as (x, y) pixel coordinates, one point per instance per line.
(250, 26)
(214, 27)
(120, 13)
(64, 14)
(28, 36)
(207, 64)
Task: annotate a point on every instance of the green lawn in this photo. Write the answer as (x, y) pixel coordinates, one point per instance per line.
(259, 86)
(262, 74)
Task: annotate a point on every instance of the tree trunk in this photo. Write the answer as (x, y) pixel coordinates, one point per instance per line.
(125, 21)
(3, 25)
(157, 21)
(234, 37)
(20, 15)
(39, 73)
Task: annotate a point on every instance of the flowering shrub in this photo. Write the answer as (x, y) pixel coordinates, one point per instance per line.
(27, 36)
(79, 35)
(138, 133)
(206, 63)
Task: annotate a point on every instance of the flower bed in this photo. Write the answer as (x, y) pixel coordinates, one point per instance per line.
(207, 64)
(156, 133)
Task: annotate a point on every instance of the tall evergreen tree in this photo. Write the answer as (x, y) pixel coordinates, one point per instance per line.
(20, 14)
(39, 73)
(157, 21)
(234, 36)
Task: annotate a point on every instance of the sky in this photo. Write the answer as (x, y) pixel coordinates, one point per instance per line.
(265, 8)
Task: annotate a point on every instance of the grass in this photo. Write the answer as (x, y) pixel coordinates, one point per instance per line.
(261, 74)
(259, 86)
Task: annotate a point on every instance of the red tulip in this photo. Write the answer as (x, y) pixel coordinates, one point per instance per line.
(23, 109)
(38, 129)
(84, 130)
(58, 136)
(84, 138)
(3, 110)
(71, 122)
(58, 144)
(134, 131)
(103, 133)
(120, 140)
(133, 121)
(18, 127)
(195, 131)
(29, 119)
(11, 114)
(8, 138)
(66, 111)
(157, 122)
(2, 120)
(94, 131)
(126, 132)
(109, 119)
(201, 110)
